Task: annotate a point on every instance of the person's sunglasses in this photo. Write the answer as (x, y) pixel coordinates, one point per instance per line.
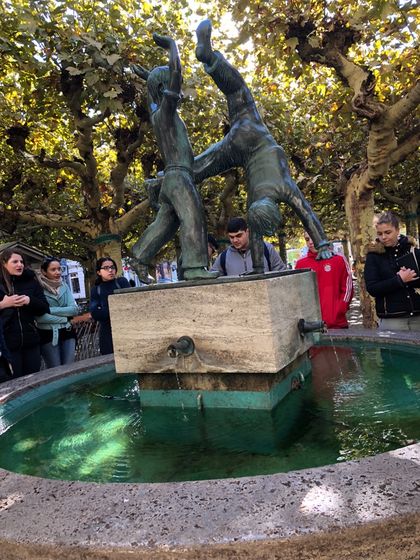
(112, 267)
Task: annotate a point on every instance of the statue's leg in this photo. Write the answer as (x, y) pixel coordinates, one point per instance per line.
(256, 241)
(256, 244)
(157, 234)
(204, 51)
(294, 198)
(193, 229)
(225, 76)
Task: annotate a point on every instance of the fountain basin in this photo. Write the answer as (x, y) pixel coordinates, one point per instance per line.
(368, 506)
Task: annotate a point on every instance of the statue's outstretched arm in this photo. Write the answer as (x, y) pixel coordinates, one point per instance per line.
(211, 162)
(175, 68)
(153, 187)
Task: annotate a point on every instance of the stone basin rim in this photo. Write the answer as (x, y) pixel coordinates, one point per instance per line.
(161, 516)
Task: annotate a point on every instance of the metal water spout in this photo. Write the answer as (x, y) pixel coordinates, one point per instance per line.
(310, 326)
(184, 346)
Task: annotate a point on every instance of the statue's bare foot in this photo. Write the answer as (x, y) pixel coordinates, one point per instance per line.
(203, 50)
(143, 274)
(324, 251)
(200, 273)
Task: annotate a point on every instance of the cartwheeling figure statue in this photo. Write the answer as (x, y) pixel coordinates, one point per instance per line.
(180, 204)
(249, 144)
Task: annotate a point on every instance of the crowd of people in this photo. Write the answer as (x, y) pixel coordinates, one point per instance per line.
(36, 311)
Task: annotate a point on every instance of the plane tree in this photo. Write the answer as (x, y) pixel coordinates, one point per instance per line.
(360, 62)
(76, 139)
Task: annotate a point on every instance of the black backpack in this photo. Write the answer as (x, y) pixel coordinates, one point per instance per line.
(223, 258)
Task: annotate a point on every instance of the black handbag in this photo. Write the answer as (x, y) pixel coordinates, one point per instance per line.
(409, 261)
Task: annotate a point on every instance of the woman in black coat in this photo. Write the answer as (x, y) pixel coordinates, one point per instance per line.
(21, 300)
(106, 283)
(392, 276)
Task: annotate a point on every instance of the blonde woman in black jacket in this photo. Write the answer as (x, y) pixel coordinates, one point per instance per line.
(21, 300)
(392, 276)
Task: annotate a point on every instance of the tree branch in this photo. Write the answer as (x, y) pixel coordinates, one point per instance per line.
(226, 199)
(332, 53)
(391, 197)
(72, 88)
(84, 144)
(131, 217)
(405, 105)
(126, 152)
(91, 122)
(55, 220)
(405, 147)
(75, 166)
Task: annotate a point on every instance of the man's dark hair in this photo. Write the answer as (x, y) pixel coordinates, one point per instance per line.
(236, 224)
(213, 242)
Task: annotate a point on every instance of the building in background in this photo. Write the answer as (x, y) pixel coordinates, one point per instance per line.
(166, 271)
(74, 276)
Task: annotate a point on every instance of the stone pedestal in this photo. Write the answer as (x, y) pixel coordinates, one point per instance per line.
(238, 325)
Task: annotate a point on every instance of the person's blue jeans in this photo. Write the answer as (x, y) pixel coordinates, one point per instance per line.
(59, 355)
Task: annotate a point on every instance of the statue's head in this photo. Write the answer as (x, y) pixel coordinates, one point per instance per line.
(264, 216)
(157, 82)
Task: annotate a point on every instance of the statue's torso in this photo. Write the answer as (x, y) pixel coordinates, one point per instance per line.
(172, 139)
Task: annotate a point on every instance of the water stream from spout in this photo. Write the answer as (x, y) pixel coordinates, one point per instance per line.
(335, 354)
(184, 416)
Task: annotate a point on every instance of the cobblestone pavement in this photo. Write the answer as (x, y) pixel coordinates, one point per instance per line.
(354, 315)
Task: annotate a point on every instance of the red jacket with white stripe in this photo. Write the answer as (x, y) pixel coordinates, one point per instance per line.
(335, 287)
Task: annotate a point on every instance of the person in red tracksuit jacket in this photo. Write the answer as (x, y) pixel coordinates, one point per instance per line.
(335, 285)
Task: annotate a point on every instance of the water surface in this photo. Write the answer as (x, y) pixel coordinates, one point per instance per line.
(357, 402)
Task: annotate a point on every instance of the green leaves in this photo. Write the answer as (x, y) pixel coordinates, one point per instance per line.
(66, 73)
(306, 106)
(74, 71)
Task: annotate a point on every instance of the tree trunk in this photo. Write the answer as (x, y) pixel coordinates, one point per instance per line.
(89, 266)
(359, 212)
(346, 248)
(412, 217)
(109, 245)
(418, 226)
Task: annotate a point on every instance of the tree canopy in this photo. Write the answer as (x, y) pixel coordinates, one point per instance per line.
(335, 81)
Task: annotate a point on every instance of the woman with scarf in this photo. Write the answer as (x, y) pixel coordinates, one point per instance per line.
(58, 338)
(21, 300)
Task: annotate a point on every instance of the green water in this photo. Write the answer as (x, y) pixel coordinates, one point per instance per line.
(357, 402)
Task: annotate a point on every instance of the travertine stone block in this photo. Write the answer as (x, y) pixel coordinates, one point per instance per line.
(244, 324)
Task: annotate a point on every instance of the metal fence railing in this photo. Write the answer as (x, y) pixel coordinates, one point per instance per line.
(87, 345)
